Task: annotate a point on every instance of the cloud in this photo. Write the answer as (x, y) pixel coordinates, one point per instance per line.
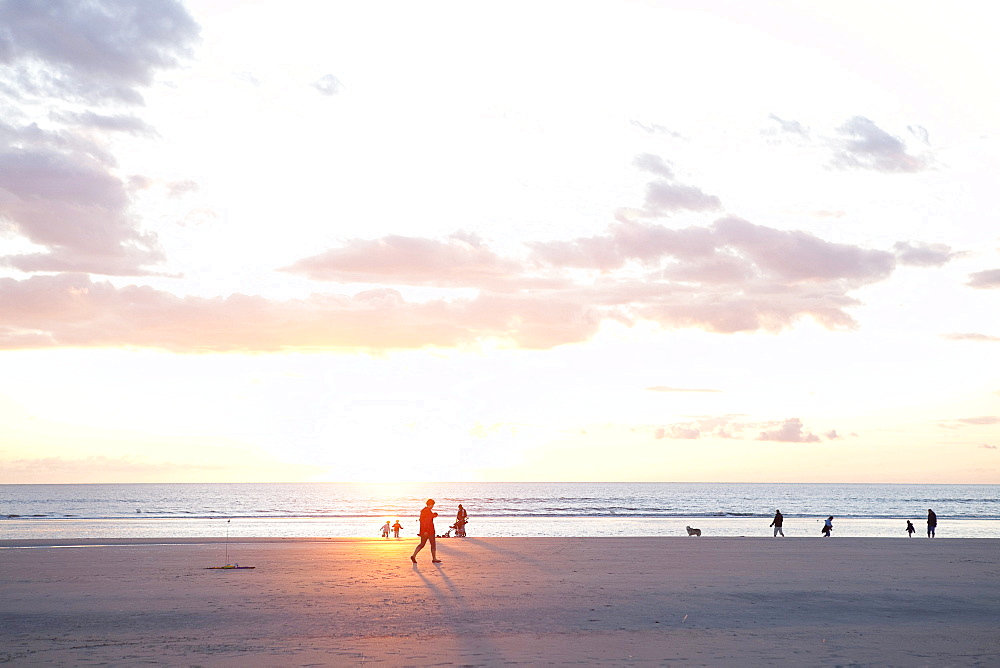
(454, 262)
(866, 146)
(77, 209)
(922, 254)
(790, 127)
(655, 129)
(971, 336)
(653, 164)
(59, 189)
(97, 51)
(74, 311)
(125, 123)
(976, 421)
(988, 447)
(328, 85)
(731, 276)
(981, 420)
(985, 280)
(677, 432)
(666, 195)
(663, 196)
(790, 431)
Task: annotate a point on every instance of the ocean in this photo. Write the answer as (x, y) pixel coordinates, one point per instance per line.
(495, 509)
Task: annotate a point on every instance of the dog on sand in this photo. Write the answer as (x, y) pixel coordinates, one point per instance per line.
(693, 532)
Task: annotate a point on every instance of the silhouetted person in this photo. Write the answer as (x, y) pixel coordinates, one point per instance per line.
(909, 529)
(778, 519)
(427, 516)
(395, 529)
(827, 526)
(461, 519)
(931, 523)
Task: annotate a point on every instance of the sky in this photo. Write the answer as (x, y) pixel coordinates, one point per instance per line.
(525, 241)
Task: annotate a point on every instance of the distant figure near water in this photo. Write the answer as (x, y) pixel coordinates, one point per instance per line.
(427, 516)
(385, 529)
(778, 519)
(461, 519)
(395, 529)
(827, 527)
(909, 529)
(931, 523)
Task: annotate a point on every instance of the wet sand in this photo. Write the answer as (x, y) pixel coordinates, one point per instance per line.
(500, 601)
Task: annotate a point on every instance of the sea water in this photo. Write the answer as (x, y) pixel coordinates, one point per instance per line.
(495, 509)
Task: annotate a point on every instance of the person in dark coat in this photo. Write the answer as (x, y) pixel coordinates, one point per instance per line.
(778, 519)
(931, 523)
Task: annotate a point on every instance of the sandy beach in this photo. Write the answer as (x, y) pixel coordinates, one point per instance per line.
(556, 601)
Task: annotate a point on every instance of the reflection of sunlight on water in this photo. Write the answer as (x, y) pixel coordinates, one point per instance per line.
(482, 527)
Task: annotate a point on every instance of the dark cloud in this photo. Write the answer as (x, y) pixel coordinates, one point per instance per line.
(109, 123)
(59, 188)
(96, 51)
(923, 255)
(985, 280)
(866, 146)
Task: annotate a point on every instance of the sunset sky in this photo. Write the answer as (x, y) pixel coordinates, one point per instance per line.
(665, 241)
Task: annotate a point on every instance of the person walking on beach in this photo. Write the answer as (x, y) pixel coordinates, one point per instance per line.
(395, 529)
(828, 526)
(909, 529)
(931, 523)
(427, 516)
(778, 519)
(385, 529)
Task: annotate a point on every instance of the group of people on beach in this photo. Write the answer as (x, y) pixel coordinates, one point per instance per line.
(426, 530)
(827, 529)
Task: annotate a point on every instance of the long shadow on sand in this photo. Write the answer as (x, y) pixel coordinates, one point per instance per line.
(463, 630)
(506, 552)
